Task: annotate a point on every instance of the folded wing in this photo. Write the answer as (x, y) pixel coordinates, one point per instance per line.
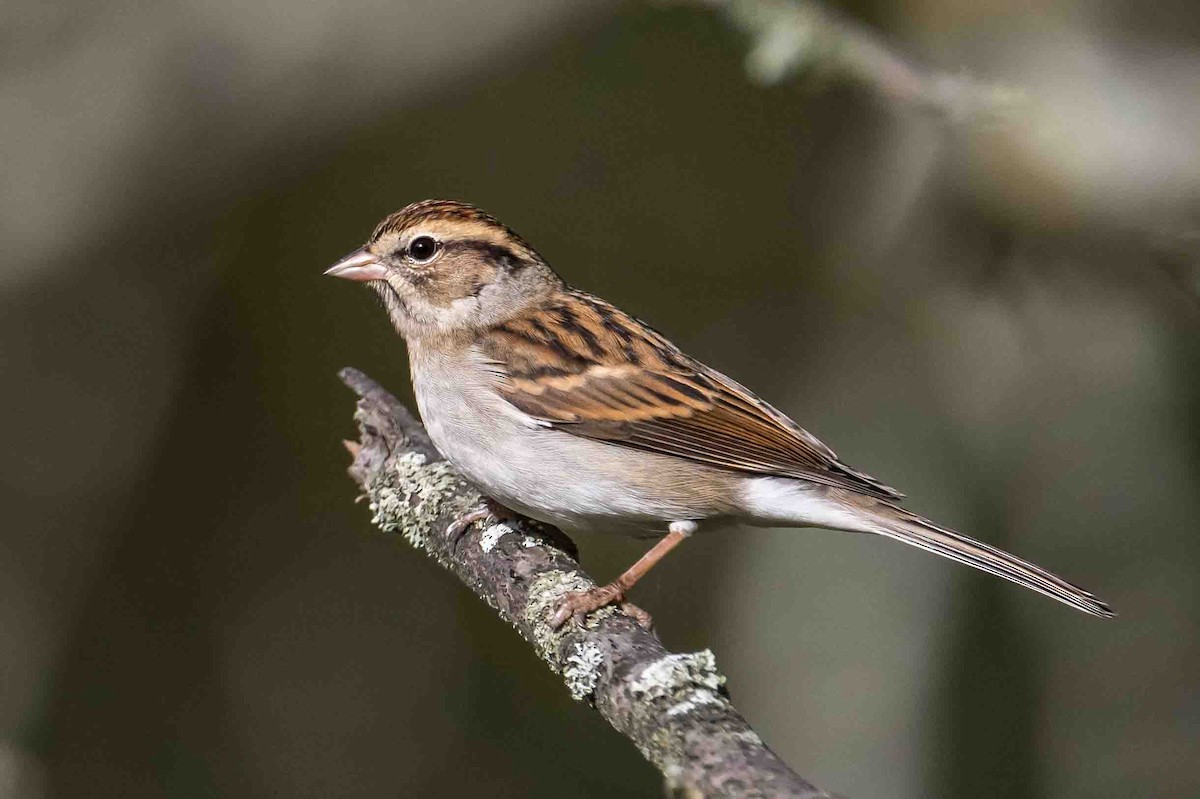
(586, 368)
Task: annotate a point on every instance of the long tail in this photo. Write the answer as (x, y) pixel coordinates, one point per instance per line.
(912, 529)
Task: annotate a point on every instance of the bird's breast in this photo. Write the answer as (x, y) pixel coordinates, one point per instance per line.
(563, 479)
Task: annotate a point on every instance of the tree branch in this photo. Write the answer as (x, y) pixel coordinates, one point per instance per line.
(674, 707)
(794, 36)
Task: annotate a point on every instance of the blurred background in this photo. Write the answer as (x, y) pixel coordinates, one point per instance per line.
(958, 240)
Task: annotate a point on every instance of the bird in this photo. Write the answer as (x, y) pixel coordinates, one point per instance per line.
(561, 407)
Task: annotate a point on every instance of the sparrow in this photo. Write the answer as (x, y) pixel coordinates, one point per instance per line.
(564, 408)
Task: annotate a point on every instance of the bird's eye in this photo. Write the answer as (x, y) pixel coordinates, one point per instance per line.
(422, 248)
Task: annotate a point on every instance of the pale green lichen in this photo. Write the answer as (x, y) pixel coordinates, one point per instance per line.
(661, 748)
(747, 736)
(672, 773)
(684, 681)
(700, 696)
(492, 536)
(413, 494)
(544, 596)
(582, 669)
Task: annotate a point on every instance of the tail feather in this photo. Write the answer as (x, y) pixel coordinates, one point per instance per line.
(912, 529)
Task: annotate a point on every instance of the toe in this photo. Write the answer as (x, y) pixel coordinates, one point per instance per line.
(459, 526)
(578, 604)
(644, 619)
(563, 612)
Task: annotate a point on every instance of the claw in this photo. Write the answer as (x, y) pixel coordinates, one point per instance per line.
(644, 619)
(459, 526)
(490, 507)
(578, 604)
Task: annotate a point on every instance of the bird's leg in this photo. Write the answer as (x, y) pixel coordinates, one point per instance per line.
(577, 604)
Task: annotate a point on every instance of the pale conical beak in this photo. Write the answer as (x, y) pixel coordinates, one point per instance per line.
(360, 265)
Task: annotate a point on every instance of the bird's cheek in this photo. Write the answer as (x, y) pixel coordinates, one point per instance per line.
(414, 284)
(402, 284)
(419, 302)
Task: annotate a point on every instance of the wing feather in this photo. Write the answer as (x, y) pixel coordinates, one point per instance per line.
(658, 400)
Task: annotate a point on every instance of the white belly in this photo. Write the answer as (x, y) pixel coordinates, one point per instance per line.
(550, 475)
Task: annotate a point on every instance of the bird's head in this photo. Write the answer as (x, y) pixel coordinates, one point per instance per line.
(445, 268)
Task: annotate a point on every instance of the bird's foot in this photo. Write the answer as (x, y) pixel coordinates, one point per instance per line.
(459, 526)
(577, 604)
(501, 512)
(490, 507)
(644, 619)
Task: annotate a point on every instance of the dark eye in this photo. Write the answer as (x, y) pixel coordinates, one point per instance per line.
(422, 248)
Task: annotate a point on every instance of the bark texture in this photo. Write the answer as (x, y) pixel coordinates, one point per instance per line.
(673, 707)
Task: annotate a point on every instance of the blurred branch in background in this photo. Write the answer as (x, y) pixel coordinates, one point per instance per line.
(1178, 254)
(672, 706)
(1047, 136)
(796, 36)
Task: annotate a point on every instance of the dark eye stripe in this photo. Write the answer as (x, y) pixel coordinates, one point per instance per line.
(499, 254)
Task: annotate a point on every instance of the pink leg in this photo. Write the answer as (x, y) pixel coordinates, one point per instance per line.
(578, 604)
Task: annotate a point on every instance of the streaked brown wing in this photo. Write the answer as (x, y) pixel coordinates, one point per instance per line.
(590, 370)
